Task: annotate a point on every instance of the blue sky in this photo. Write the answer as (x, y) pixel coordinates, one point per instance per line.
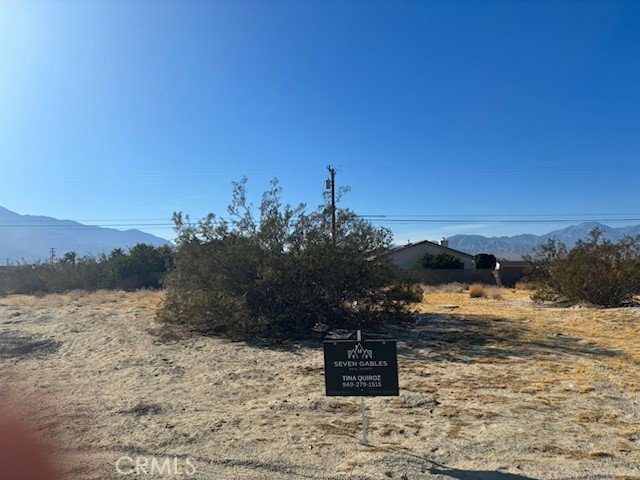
(121, 112)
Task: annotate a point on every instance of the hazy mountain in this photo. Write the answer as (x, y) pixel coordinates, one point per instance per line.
(518, 245)
(31, 237)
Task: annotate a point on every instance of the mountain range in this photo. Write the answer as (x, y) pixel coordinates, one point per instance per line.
(515, 247)
(30, 238)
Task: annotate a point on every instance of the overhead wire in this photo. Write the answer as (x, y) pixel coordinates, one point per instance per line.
(378, 219)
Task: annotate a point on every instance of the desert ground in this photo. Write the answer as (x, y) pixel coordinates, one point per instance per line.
(490, 388)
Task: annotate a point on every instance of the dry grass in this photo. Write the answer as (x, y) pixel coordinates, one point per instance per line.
(524, 285)
(454, 287)
(491, 384)
(142, 298)
(494, 293)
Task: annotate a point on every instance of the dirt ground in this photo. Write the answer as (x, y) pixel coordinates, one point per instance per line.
(490, 388)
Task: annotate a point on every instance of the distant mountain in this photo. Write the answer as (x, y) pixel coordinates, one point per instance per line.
(31, 237)
(515, 247)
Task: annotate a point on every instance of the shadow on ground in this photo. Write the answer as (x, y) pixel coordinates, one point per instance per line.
(470, 338)
(17, 345)
(464, 338)
(477, 475)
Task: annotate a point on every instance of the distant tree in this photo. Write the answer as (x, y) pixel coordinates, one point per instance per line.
(142, 267)
(69, 258)
(442, 261)
(484, 261)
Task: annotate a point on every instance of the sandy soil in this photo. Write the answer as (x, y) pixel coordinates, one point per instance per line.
(491, 389)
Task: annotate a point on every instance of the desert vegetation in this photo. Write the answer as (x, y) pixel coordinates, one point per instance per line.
(595, 270)
(142, 266)
(477, 290)
(282, 273)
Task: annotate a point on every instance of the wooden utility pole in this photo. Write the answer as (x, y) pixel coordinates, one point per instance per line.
(332, 172)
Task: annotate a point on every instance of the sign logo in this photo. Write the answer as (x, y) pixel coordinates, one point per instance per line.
(359, 352)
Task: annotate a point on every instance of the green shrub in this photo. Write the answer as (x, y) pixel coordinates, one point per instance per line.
(596, 271)
(442, 261)
(281, 274)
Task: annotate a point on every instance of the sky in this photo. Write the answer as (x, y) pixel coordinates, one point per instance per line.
(443, 117)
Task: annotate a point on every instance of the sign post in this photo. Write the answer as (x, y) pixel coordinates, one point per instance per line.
(361, 368)
(363, 411)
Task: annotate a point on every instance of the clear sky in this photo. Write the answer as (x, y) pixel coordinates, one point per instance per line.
(121, 112)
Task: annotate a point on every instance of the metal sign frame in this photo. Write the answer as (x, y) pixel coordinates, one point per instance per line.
(361, 368)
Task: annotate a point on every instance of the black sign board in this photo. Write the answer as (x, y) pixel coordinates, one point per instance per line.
(361, 368)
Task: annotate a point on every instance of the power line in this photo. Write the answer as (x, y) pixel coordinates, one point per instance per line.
(54, 226)
(501, 169)
(373, 219)
(408, 215)
(475, 220)
(118, 175)
(434, 216)
(498, 215)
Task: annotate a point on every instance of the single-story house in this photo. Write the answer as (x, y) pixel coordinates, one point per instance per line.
(405, 260)
(406, 256)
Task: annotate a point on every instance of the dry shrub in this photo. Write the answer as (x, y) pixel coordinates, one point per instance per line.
(454, 287)
(477, 290)
(595, 271)
(494, 294)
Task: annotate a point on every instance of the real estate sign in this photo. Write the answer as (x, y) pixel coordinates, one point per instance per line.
(361, 368)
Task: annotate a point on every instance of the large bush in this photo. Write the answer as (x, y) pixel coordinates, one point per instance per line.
(280, 275)
(595, 270)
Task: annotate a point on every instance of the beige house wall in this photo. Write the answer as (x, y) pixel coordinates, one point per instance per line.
(406, 258)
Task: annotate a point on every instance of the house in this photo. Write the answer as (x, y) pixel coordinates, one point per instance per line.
(405, 260)
(406, 257)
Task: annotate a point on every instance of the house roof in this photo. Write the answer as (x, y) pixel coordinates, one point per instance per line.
(443, 248)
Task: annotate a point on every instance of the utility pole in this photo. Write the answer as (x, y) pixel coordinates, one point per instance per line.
(332, 172)
(53, 254)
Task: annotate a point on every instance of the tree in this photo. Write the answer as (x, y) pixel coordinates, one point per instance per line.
(280, 274)
(142, 267)
(484, 261)
(443, 261)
